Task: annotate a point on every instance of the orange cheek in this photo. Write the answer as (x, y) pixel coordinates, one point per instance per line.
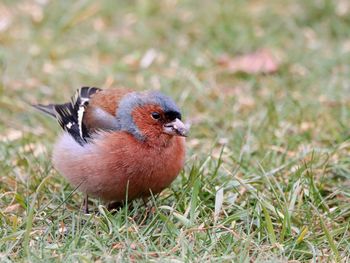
(143, 120)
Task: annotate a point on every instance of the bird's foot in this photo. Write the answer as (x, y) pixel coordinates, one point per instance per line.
(114, 205)
(85, 205)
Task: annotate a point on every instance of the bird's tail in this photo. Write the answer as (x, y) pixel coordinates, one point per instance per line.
(48, 109)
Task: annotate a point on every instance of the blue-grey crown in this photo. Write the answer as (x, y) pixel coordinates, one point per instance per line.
(139, 99)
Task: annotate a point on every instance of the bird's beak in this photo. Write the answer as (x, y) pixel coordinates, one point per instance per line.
(176, 127)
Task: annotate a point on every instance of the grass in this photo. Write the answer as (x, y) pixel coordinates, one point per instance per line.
(267, 176)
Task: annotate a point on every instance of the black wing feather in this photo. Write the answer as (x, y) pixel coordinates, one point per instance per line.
(70, 115)
(68, 121)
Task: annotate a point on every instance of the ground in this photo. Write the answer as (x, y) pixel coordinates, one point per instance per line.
(267, 176)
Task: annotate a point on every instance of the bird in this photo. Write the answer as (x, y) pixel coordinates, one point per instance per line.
(118, 144)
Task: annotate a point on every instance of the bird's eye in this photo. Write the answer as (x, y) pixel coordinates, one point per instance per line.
(155, 115)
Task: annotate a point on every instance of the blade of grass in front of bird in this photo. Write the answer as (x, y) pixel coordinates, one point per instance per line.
(219, 162)
(31, 216)
(269, 226)
(85, 225)
(219, 199)
(328, 235)
(13, 236)
(194, 199)
(284, 225)
(300, 238)
(168, 223)
(102, 211)
(184, 220)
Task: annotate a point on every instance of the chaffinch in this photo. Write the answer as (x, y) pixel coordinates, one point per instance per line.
(118, 143)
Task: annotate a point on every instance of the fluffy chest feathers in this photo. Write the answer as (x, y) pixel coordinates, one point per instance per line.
(117, 162)
(146, 167)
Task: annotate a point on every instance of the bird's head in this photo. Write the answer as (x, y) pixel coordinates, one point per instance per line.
(150, 116)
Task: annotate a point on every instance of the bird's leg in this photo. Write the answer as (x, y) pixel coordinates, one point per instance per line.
(114, 205)
(86, 204)
(145, 201)
(150, 206)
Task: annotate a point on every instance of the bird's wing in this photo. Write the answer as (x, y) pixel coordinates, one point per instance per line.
(90, 110)
(70, 115)
(102, 109)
